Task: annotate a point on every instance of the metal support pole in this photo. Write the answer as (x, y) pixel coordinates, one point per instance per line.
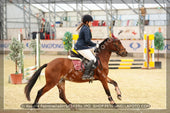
(49, 5)
(107, 19)
(54, 20)
(71, 6)
(29, 16)
(66, 13)
(82, 7)
(5, 12)
(111, 21)
(141, 19)
(3, 19)
(77, 11)
(24, 13)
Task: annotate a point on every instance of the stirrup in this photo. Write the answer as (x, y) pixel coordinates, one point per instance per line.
(86, 77)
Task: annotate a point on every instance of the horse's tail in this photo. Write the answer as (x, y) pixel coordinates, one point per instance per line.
(32, 81)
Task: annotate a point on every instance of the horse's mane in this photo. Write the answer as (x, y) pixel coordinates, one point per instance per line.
(105, 40)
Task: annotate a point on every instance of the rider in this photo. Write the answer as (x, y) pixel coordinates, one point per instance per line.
(84, 45)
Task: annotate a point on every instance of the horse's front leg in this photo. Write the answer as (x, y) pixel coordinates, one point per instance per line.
(109, 80)
(106, 88)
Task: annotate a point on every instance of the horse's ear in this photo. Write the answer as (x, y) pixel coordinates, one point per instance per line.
(113, 36)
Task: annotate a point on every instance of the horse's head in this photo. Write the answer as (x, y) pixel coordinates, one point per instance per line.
(114, 45)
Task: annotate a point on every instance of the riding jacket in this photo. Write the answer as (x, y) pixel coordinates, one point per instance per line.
(84, 40)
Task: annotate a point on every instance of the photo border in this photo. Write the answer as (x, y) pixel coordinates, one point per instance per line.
(94, 111)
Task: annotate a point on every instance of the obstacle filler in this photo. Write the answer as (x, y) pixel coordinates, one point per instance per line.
(28, 72)
(146, 63)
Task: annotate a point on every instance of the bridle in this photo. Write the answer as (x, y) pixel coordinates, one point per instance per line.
(116, 46)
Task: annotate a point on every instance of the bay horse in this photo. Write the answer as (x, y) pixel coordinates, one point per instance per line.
(61, 69)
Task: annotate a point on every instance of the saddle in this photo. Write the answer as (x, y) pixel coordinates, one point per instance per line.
(79, 63)
(78, 60)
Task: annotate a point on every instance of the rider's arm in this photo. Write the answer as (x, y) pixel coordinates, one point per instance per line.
(87, 35)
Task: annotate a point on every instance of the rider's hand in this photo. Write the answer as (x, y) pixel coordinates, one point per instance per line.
(96, 50)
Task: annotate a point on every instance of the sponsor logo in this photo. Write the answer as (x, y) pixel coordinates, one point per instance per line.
(49, 45)
(4, 45)
(135, 45)
(167, 47)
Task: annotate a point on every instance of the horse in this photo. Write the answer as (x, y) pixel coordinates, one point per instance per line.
(58, 71)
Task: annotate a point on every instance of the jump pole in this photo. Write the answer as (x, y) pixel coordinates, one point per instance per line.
(125, 64)
(124, 67)
(126, 60)
(38, 50)
(30, 70)
(21, 69)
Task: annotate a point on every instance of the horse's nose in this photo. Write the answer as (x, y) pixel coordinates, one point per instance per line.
(125, 53)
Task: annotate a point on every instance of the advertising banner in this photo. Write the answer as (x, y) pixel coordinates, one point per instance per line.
(132, 46)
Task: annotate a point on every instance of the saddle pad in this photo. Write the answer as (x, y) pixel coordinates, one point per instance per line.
(77, 64)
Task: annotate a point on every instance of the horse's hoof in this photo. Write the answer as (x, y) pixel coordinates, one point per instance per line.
(72, 108)
(119, 97)
(114, 105)
(35, 106)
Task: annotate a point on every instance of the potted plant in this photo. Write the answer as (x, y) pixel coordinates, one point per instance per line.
(159, 45)
(15, 55)
(67, 41)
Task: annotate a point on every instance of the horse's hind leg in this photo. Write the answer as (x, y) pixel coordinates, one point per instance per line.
(109, 80)
(43, 90)
(61, 88)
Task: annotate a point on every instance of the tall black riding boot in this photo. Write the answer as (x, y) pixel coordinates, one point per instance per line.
(87, 71)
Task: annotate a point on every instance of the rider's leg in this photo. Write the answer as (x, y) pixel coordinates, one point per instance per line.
(88, 69)
(92, 59)
(87, 53)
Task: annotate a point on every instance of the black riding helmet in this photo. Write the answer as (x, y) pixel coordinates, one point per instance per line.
(86, 18)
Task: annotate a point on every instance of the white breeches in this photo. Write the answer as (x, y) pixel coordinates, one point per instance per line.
(88, 53)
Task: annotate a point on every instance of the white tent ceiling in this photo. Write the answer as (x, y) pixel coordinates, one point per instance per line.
(86, 7)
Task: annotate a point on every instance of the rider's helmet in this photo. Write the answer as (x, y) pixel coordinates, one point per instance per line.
(86, 18)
